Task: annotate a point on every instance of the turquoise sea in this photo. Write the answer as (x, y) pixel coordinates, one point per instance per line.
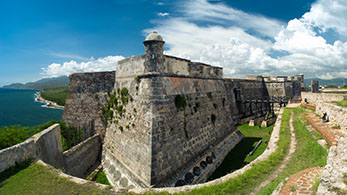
(18, 106)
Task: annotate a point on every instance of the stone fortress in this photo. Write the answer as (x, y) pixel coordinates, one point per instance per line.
(167, 121)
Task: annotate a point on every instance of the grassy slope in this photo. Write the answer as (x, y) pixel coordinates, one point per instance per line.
(37, 179)
(57, 95)
(308, 153)
(238, 157)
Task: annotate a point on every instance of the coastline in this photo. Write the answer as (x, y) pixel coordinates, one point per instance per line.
(48, 103)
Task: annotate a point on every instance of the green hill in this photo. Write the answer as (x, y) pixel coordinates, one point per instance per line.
(42, 83)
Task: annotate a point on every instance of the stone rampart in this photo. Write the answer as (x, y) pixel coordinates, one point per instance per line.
(49, 147)
(43, 145)
(172, 125)
(335, 170)
(46, 146)
(86, 98)
(17, 153)
(80, 159)
(337, 114)
(314, 98)
(167, 117)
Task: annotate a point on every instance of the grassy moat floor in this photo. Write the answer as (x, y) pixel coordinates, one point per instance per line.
(238, 157)
(37, 179)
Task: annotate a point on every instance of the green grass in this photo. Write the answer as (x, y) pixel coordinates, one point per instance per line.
(341, 103)
(308, 153)
(57, 95)
(238, 157)
(38, 179)
(245, 183)
(101, 178)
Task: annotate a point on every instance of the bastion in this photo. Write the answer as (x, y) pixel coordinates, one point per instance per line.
(166, 121)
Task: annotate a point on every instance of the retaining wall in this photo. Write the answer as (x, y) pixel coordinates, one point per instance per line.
(337, 114)
(47, 147)
(314, 98)
(334, 171)
(80, 159)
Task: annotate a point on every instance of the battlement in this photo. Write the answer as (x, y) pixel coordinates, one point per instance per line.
(168, 121)
(154, 62)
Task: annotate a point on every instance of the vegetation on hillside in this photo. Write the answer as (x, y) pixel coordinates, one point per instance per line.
(57, 95)
(41, 84)
(15, 134)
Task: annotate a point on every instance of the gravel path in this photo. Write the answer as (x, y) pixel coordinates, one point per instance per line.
(292, 148)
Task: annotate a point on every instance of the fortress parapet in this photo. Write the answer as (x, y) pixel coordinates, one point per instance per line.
(168, 121)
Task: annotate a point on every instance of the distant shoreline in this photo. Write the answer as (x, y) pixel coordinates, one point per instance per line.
(49, 104)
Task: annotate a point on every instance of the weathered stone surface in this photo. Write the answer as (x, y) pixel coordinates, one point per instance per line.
(87, 95)
(334, 171)
(323, 103)
(47, 147)
(178, 116)
(80, 159)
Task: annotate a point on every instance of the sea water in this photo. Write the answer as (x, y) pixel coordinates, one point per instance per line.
(19, 106)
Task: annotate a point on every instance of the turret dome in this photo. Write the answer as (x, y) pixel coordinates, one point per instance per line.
(154, 36)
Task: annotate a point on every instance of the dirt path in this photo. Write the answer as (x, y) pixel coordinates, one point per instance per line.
(292, 148)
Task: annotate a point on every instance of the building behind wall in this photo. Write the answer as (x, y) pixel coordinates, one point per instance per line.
(167, 121)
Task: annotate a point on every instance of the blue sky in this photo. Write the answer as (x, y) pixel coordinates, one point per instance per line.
(52, 38)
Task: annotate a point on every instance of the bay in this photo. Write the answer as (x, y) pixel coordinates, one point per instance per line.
(18, 106)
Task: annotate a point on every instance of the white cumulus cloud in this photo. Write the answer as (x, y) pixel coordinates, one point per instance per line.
(328, 14)
(108, 63)
(220, 35)
(162, 14)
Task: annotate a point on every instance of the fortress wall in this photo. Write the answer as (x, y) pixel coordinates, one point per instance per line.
(127, 152)
(187, 134)
(131, 67)
(44, 145)
(49, 147)
(276, 89)
(17, 153)
(336, 114)
(80, 159)
(253, 90)
(181, 66)
(314, 98)
(85, 99)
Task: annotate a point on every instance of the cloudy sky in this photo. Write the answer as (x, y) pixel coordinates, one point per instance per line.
(245, 37)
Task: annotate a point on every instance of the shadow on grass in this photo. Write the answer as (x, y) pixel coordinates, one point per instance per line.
(235, 159)
(14, 170)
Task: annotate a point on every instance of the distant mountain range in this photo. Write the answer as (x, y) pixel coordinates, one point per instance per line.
(42, 83)
(335, 82)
